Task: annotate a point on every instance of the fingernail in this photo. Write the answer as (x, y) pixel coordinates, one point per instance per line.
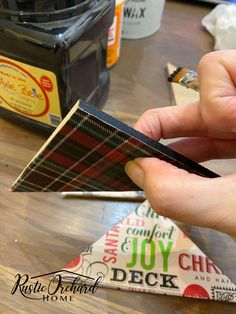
(135, 173)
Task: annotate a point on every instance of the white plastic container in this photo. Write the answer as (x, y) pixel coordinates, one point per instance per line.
(142, 18)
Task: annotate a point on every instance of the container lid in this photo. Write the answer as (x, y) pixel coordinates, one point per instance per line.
(43, 10)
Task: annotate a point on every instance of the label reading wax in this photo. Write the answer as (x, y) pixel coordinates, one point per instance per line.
(142, 18)
(29, 91)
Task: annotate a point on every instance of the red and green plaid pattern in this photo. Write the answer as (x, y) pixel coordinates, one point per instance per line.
(89, 152)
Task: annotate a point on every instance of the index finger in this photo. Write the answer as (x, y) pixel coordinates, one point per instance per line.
(172, 122)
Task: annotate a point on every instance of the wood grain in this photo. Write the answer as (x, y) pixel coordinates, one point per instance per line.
(40, 233)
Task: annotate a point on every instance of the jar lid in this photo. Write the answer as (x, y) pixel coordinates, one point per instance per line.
(43, 10)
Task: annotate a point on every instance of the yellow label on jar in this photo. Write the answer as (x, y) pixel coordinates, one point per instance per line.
(29, 91)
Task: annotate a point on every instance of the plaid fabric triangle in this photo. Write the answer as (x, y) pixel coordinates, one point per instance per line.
(88, 152)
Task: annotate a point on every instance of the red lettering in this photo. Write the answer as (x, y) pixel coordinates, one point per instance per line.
(116, 228)
(181, 261)
(111, 251)
(133, 222)
(109, 234)
(210, 265)
(111, 242)
(107, 259)
(197, 263)
(139, 223)
(197, 260)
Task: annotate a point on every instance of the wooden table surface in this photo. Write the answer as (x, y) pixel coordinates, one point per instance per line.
(40, 233)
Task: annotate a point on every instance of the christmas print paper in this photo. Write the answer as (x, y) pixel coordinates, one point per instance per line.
(149, 253)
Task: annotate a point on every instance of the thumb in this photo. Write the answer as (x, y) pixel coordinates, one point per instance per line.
(186, 197)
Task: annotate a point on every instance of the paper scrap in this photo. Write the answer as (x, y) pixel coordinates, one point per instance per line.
(149, 253)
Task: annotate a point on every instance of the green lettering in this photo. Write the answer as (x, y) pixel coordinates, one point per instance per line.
(165, 253)
(133, 261)
(152, 254)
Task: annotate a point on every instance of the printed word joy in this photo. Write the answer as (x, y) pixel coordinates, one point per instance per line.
(148, 252)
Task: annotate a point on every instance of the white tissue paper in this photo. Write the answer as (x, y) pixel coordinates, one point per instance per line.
(221, 23)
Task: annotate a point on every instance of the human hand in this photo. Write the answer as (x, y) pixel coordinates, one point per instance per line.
(210, 125)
